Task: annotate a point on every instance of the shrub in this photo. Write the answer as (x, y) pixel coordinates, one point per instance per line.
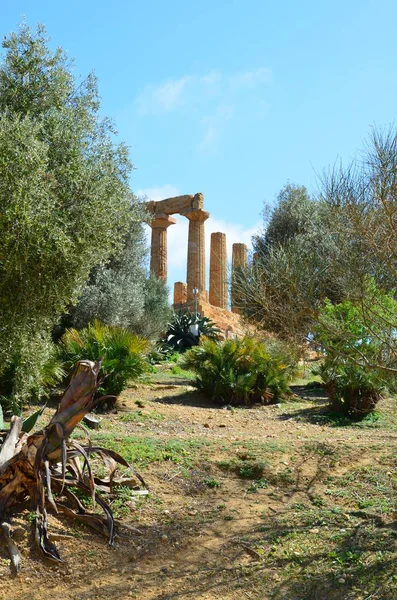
(241, 372)
(180, 333)
(353, 347)
(20, 382)
(123, 353)
(352, 390)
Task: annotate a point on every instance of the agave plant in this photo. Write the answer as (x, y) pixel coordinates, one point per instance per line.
(47, 464)
(186, 329)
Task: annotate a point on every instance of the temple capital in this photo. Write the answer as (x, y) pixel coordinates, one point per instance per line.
(163, 221)
(195, 214)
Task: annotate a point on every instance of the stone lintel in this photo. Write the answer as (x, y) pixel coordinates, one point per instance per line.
(170, 206)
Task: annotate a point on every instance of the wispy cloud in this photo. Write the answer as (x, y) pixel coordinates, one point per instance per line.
(251, 78)
(202, 97)
(157, 193)
(213, 126)
(175, 93)
(167, 96)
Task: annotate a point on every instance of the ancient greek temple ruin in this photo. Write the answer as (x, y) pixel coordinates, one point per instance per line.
(192, 293)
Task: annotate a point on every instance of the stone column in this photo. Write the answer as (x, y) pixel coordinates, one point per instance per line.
(158, 253)
(218, 270)
(180, 293)
(239, 259)
(195, 276)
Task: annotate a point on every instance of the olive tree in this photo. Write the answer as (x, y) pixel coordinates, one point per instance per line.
(292, 272)
(65, 203)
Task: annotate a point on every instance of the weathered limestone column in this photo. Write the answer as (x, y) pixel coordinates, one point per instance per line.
(180, 293)
(239, 259)
(218, 270)
(158, 253)
(195, 276)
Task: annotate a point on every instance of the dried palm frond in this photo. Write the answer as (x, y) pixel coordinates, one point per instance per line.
(47, 464)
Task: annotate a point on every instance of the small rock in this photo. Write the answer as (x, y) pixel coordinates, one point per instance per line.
(91, 422)
(315, 530)
(341, 580)
(207, 425)
(164, 537)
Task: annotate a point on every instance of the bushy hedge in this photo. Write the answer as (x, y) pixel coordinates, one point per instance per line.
(242, 372)
(123, 353)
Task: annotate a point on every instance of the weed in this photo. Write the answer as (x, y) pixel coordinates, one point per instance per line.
(260, 484)
(246, 467)
(212, 483)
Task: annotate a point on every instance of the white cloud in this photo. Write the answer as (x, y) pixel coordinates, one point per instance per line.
(158, 193)
(165, 97)
(251, 78)
(190, 90)
(213, 127)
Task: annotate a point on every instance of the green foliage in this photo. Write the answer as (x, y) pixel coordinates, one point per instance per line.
(285, 286)
(162, 352)
(31, 421)
(212, 483)
(123, 353)
(121, 293)
(64, 198)
(353, 347)
(241, 372)
(32, 373)
(180, 335)
(294, 214)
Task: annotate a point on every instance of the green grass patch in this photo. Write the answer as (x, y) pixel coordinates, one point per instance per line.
(146, 450)
(369, 488)
(139, 416)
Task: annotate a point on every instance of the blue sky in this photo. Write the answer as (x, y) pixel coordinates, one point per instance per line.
(231, 98)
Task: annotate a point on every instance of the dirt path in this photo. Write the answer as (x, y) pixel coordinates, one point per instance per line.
(243, 504)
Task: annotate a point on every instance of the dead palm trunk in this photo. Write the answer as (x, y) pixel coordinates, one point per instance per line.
(48, 462)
